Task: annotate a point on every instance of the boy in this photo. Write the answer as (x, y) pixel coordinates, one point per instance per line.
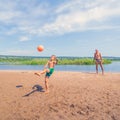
(48, 69)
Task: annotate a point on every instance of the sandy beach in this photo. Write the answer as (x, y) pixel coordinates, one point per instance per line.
(73, 96)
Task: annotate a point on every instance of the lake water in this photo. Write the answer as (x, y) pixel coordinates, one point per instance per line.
(114, 67)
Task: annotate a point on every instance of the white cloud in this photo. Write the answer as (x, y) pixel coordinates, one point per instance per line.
(24, 38)
(42, 19)
(72, 17)
(18, 52)
(22, 14)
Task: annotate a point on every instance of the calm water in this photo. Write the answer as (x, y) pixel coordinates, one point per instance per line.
(114, 67)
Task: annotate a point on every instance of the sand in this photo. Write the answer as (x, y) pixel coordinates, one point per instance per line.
(73, 96)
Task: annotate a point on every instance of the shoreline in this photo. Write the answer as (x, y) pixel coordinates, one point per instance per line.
(92, 72)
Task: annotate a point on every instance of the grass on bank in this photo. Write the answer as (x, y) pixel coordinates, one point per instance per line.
(42, 61)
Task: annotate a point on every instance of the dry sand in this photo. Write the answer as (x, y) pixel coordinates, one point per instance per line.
(73, 96)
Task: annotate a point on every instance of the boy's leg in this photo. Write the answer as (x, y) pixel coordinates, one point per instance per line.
(42, 72)
(46, 84)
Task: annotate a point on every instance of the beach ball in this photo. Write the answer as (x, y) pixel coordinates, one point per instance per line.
(40, 48)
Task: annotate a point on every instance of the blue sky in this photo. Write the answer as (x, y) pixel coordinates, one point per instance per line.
(63, 27)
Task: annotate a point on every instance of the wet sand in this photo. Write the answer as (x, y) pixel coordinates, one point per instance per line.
(73, 96)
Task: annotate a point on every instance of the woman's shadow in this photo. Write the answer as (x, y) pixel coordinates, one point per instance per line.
(36, 88)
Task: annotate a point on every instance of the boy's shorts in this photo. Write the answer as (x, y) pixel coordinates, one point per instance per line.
(48, 74)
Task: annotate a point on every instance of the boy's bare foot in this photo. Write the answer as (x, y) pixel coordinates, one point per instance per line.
(37, 74)
(47, 91)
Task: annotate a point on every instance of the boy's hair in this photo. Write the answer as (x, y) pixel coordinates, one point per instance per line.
(55, 58)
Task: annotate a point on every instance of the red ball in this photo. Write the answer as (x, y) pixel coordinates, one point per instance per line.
(40, 48)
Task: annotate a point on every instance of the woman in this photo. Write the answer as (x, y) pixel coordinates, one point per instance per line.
(98, 60)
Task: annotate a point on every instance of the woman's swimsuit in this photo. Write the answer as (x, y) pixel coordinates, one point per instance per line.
(98, 60)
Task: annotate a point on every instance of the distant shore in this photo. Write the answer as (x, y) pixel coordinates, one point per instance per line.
(25, 60)
(73, 96)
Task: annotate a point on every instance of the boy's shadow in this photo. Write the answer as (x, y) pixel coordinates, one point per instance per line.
(36, 88)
